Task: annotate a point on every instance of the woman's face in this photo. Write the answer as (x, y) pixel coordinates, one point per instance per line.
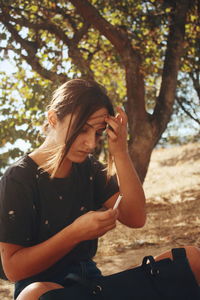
(87, 140)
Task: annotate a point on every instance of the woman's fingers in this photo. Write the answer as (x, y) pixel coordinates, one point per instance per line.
(116, 122)
(111, 134)
(113, 122)
(123, 115)
(95, 223)
(117, 132)
(109, 216)
(113, 128)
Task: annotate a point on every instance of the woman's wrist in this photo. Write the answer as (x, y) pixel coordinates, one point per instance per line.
(121, 155)
(73, 234)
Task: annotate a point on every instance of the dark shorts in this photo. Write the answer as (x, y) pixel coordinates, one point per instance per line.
(85, 269)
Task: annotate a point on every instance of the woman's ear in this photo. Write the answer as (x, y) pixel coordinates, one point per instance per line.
(52, 118)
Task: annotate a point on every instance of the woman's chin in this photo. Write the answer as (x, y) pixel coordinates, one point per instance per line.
(79, 157)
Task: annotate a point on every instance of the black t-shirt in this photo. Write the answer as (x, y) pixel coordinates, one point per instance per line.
(34, 207)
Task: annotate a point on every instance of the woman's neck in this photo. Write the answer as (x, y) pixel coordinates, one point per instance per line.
(64, 169)
(41, 154)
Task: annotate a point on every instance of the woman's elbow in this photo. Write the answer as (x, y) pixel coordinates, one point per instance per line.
(11, 275)
(134, 222)
(140, 223)
(12, 272)
(141, 219)
(137, 223)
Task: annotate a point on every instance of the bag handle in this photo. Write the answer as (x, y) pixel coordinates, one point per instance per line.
(178, 253)
(149, 260)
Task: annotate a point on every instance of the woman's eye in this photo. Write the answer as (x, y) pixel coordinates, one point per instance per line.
(99, 133)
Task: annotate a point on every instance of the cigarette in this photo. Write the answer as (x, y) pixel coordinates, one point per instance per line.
(117, 202)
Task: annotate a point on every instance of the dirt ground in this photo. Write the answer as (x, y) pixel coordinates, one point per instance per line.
(172, 189)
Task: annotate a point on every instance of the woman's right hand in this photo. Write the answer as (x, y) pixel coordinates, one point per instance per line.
(95, 224)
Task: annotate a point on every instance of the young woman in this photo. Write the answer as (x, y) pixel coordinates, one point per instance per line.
(51, 199)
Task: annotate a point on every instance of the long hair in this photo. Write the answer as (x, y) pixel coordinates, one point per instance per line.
(80, 98)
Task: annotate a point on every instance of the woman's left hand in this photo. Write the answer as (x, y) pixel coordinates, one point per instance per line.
(117, 132)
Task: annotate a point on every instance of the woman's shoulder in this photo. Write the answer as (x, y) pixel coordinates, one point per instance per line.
(24, 169)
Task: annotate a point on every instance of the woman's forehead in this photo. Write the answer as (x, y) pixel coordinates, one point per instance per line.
(98, 118)
(101, 113)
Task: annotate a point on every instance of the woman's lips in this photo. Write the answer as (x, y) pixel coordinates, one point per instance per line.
(84, 152)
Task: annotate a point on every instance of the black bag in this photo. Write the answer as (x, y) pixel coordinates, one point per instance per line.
(154, 280)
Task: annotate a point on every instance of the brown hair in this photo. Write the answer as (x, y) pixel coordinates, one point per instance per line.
(80, 98)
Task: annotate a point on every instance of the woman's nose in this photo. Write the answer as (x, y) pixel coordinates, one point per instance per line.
(90, 142)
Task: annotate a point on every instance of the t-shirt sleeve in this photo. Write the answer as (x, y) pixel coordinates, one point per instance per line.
(17, 212)
(104, 187)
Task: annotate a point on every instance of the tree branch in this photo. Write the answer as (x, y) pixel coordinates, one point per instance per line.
(55, 10)
(165, 100)
(180, 102)
(78, 35)
(91, 14)
(31, 58)
(32, 47)
(66, 17)
(196, 82)
(74, 51)
(42, 25)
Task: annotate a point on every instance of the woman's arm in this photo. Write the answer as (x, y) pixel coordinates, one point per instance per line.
(22, 262)
(132, 206)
